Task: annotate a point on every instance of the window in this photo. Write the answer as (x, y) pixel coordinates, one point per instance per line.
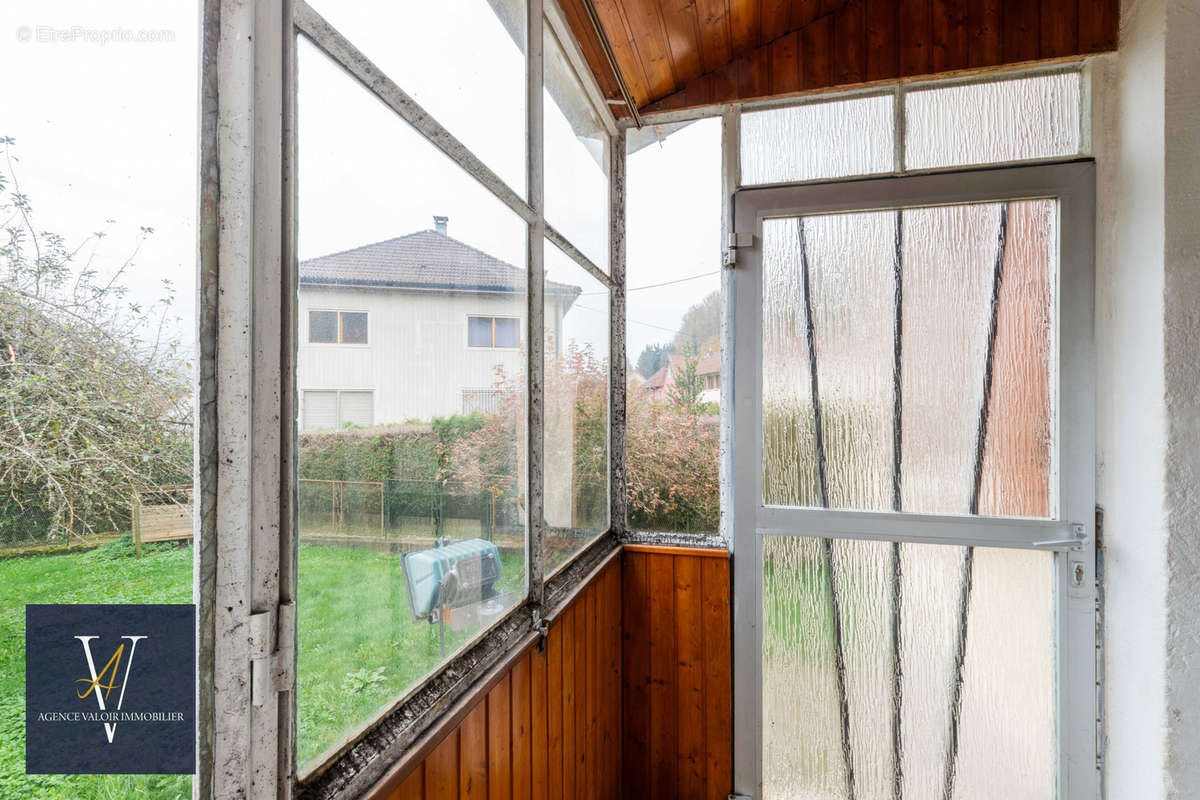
(493, 332)
(337, 409)
(337, 327)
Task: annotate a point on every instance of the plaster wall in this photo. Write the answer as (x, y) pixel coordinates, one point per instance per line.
(1146, 117)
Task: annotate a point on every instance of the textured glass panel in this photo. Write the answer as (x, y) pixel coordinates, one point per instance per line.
(354, 328)
(388, 225)
(672, 441)
(576, 422)
(904, 635)
(985, 123)
(975, 287)
(322, 326)
(462, 60)
(818, 140)
(576, 158)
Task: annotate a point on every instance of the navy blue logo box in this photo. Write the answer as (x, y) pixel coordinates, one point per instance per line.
(110, 689)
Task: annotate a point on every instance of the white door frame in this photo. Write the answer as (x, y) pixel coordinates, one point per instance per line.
(1073, 184)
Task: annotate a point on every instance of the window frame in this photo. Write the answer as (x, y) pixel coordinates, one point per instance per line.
(493, 345)
(338, 403)
(340, 313)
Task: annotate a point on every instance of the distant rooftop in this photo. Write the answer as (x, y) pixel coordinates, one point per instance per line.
(428, 259)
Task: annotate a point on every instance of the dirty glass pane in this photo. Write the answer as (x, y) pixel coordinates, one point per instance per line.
(984, 123)
(322, 327)
(890, 613)
(98, 169)
(673, 324)
(428, 442)
(818, 140)
(911, 315)
(463, 61)
(576, 158)
(576, 417)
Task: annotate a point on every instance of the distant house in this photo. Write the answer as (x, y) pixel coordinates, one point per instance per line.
(411, 328)
(657, 387)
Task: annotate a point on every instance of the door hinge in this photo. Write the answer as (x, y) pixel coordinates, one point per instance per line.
(736, 240)
(272, 652)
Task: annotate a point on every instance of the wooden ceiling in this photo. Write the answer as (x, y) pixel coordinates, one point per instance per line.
(677, 54)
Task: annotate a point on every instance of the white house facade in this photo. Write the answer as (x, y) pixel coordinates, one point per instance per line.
(412, 328)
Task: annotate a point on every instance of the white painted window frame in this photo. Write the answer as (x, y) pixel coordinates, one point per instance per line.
(339, 311)
(248, 332)
(493, 346)
(1073, 185)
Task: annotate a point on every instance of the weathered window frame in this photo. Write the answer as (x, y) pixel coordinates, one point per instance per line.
(246, 439)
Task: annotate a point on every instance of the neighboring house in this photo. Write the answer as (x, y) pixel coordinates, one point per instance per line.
(411, 328)
(658, 386)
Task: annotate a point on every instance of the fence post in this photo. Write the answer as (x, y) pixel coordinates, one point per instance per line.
(136, 518)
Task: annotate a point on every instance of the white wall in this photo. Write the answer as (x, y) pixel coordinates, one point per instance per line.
(1145, 136)
(416, 359)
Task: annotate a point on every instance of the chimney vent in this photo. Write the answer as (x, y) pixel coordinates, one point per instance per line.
(439, 224)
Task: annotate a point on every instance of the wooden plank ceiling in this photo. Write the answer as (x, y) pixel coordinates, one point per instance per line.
(676, 54)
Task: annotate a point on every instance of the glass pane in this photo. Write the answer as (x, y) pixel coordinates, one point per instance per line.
(373, 501)
(576, 158)
(985, 123)
(818, 140)
(508, 333)
(479, 331)
(889, 614)
(322, 327)
(98, 191)
(673, 331)
(354, 328)
(576, 386)
(903, 394)
(463, 61)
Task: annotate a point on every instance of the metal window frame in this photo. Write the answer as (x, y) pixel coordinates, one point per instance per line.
(1073, 184)
(248, 331)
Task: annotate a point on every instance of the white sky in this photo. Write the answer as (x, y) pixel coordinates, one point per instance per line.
(108, 131)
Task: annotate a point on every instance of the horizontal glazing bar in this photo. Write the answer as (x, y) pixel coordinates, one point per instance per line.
(336, 46)
(926, 528)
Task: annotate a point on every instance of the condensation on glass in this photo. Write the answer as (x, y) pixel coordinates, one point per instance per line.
(898, 644)
(576, 409)
(987, 123)
(411, 407)
(480, 99)
(906, 315)
(576, 157)
(818, 141)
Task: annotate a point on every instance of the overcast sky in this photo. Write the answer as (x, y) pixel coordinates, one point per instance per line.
(105, 128)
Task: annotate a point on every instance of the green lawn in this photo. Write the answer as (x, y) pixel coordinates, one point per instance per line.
(359, 648)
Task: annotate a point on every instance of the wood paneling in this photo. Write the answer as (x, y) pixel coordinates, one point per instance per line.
(526, 736)
(677, 668)
(684, 53)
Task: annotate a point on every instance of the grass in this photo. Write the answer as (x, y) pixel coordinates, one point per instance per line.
(359, 647)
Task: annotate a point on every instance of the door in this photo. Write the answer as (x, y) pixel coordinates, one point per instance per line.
(914, 488)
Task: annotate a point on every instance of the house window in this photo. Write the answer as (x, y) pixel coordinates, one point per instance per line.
(337, 409)
(337, 327)
(493, 332)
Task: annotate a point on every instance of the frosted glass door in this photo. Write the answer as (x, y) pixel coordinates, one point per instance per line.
(911, 529)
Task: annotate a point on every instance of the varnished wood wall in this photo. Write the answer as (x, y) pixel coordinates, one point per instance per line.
(548, 727)
(676, 673)
(685, 54)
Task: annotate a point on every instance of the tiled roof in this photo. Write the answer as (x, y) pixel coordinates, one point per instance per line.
(422, 260)
(705, 365)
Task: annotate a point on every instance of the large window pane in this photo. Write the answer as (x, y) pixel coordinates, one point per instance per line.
(576, 158)
(818, 140)
(894, 626)
(462, 60)
(984, 123)
(576, 386)
(673, 331)
(97, 340)
(392, 459)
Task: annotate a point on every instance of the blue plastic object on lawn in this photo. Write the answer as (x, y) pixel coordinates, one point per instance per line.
(450, 575)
